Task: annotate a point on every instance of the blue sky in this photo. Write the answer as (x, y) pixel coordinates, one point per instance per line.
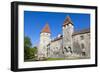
(35, 21)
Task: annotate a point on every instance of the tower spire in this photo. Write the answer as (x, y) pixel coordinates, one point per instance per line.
(46, 29)
(67, 21)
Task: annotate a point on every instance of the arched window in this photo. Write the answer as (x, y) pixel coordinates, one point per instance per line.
(66, 49)
(83, 53)
(63, 52)
(70, 49)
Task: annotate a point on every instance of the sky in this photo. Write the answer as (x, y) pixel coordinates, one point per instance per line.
(34, 22)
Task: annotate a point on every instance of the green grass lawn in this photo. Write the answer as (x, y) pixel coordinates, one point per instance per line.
(29, 60)
(50, 59)
(54, 59)
(74, 58)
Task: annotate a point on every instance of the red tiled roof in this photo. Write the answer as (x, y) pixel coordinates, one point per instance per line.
(46, 29)
(67, 21)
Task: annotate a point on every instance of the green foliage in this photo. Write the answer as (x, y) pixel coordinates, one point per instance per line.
(33, 52)
(29, 52)
(27, 42)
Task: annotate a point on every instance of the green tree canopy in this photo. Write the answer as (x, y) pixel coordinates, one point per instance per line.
(27, 46)
(29, 51)
(27, 42)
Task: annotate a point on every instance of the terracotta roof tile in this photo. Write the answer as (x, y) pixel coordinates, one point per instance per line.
(67, 21)
(46, 29)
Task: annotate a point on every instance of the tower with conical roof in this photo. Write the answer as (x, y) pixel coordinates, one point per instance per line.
(44, 41)
(68, 30)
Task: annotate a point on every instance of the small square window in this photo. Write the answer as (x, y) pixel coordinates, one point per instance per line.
(82, 37)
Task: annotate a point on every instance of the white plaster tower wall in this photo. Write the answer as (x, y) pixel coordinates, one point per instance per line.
(44, 41)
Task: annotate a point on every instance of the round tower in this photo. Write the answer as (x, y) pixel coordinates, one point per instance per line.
(68, 30)
(44, 41)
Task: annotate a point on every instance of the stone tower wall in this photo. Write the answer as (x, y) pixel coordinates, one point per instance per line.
(44, 41)
(67, 39)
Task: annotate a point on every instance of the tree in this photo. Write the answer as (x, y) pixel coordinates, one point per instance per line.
(27, 42)
(29, 52)
(33, 52)
(27, 46)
